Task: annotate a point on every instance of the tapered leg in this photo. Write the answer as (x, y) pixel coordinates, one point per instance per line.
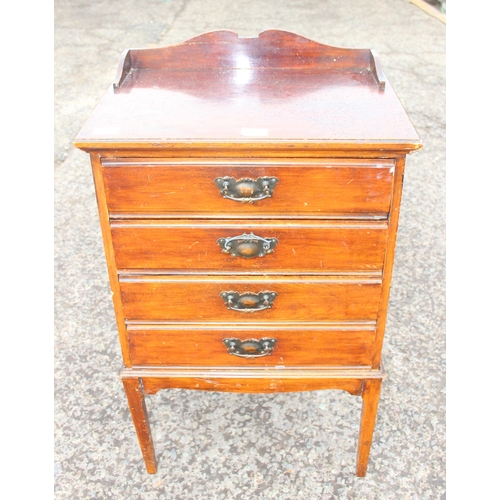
(137, 405)
(371, 393)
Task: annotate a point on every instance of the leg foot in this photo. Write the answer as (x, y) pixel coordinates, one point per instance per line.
(370, 394)
(137, 405)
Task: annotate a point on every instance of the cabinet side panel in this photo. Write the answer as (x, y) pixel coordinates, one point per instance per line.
(389, 259)
(110, 257)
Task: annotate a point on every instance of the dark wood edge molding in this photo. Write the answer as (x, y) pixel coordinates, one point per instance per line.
(251, 373)
(112, 161)
(222, 149)
(367, 217)
(218, 272)
(305, 326)
(374, 279)
(233, 225)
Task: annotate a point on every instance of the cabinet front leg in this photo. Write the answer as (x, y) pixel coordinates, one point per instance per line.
(138, 410)
(370, 394)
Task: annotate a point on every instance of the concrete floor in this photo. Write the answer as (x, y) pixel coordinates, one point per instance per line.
(228, 446)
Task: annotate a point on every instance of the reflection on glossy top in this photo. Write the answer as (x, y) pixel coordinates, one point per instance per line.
(278, 87)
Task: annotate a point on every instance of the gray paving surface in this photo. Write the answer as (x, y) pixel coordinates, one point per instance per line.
(228, 446)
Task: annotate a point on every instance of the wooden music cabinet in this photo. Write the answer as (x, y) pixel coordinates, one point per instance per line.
(249, 192)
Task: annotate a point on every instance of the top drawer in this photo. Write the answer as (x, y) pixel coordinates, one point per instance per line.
(249, 188)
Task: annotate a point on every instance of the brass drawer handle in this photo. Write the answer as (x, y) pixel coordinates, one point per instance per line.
(246, 190)
(247, 246)
(250, 348)
(248, 301)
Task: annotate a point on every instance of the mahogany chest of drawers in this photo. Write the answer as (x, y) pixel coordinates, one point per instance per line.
(248, 193)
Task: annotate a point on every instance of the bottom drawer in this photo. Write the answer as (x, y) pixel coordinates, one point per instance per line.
(210, 345)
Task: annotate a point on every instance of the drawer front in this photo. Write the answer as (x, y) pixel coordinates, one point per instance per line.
(187, 188)
(230, 299)
(243, 247)
(239, 345)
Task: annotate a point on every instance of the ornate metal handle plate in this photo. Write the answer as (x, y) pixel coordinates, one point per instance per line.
(250, 348)
(246, 190)
(247, 246)
(248, 301)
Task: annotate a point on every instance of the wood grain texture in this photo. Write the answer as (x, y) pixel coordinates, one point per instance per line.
(110, 257)
(139, 413)
(254, 386)
(389, 260)
(370, 394)
(302, 247)
(271, 48)
(281, 84)
(253, 379)
(328, 125)
(299, 299)
(254, 373)
(181, 346)
(312, 188)
(296, 148)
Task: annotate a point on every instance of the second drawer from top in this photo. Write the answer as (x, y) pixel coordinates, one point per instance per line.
(249, 247)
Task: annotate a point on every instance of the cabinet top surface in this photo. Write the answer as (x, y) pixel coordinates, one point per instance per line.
(275, 88)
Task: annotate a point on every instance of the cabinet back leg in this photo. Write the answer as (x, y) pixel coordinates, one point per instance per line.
(370, 394)
(139, 413)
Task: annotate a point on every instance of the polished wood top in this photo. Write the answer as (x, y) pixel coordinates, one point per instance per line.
(278, 88)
